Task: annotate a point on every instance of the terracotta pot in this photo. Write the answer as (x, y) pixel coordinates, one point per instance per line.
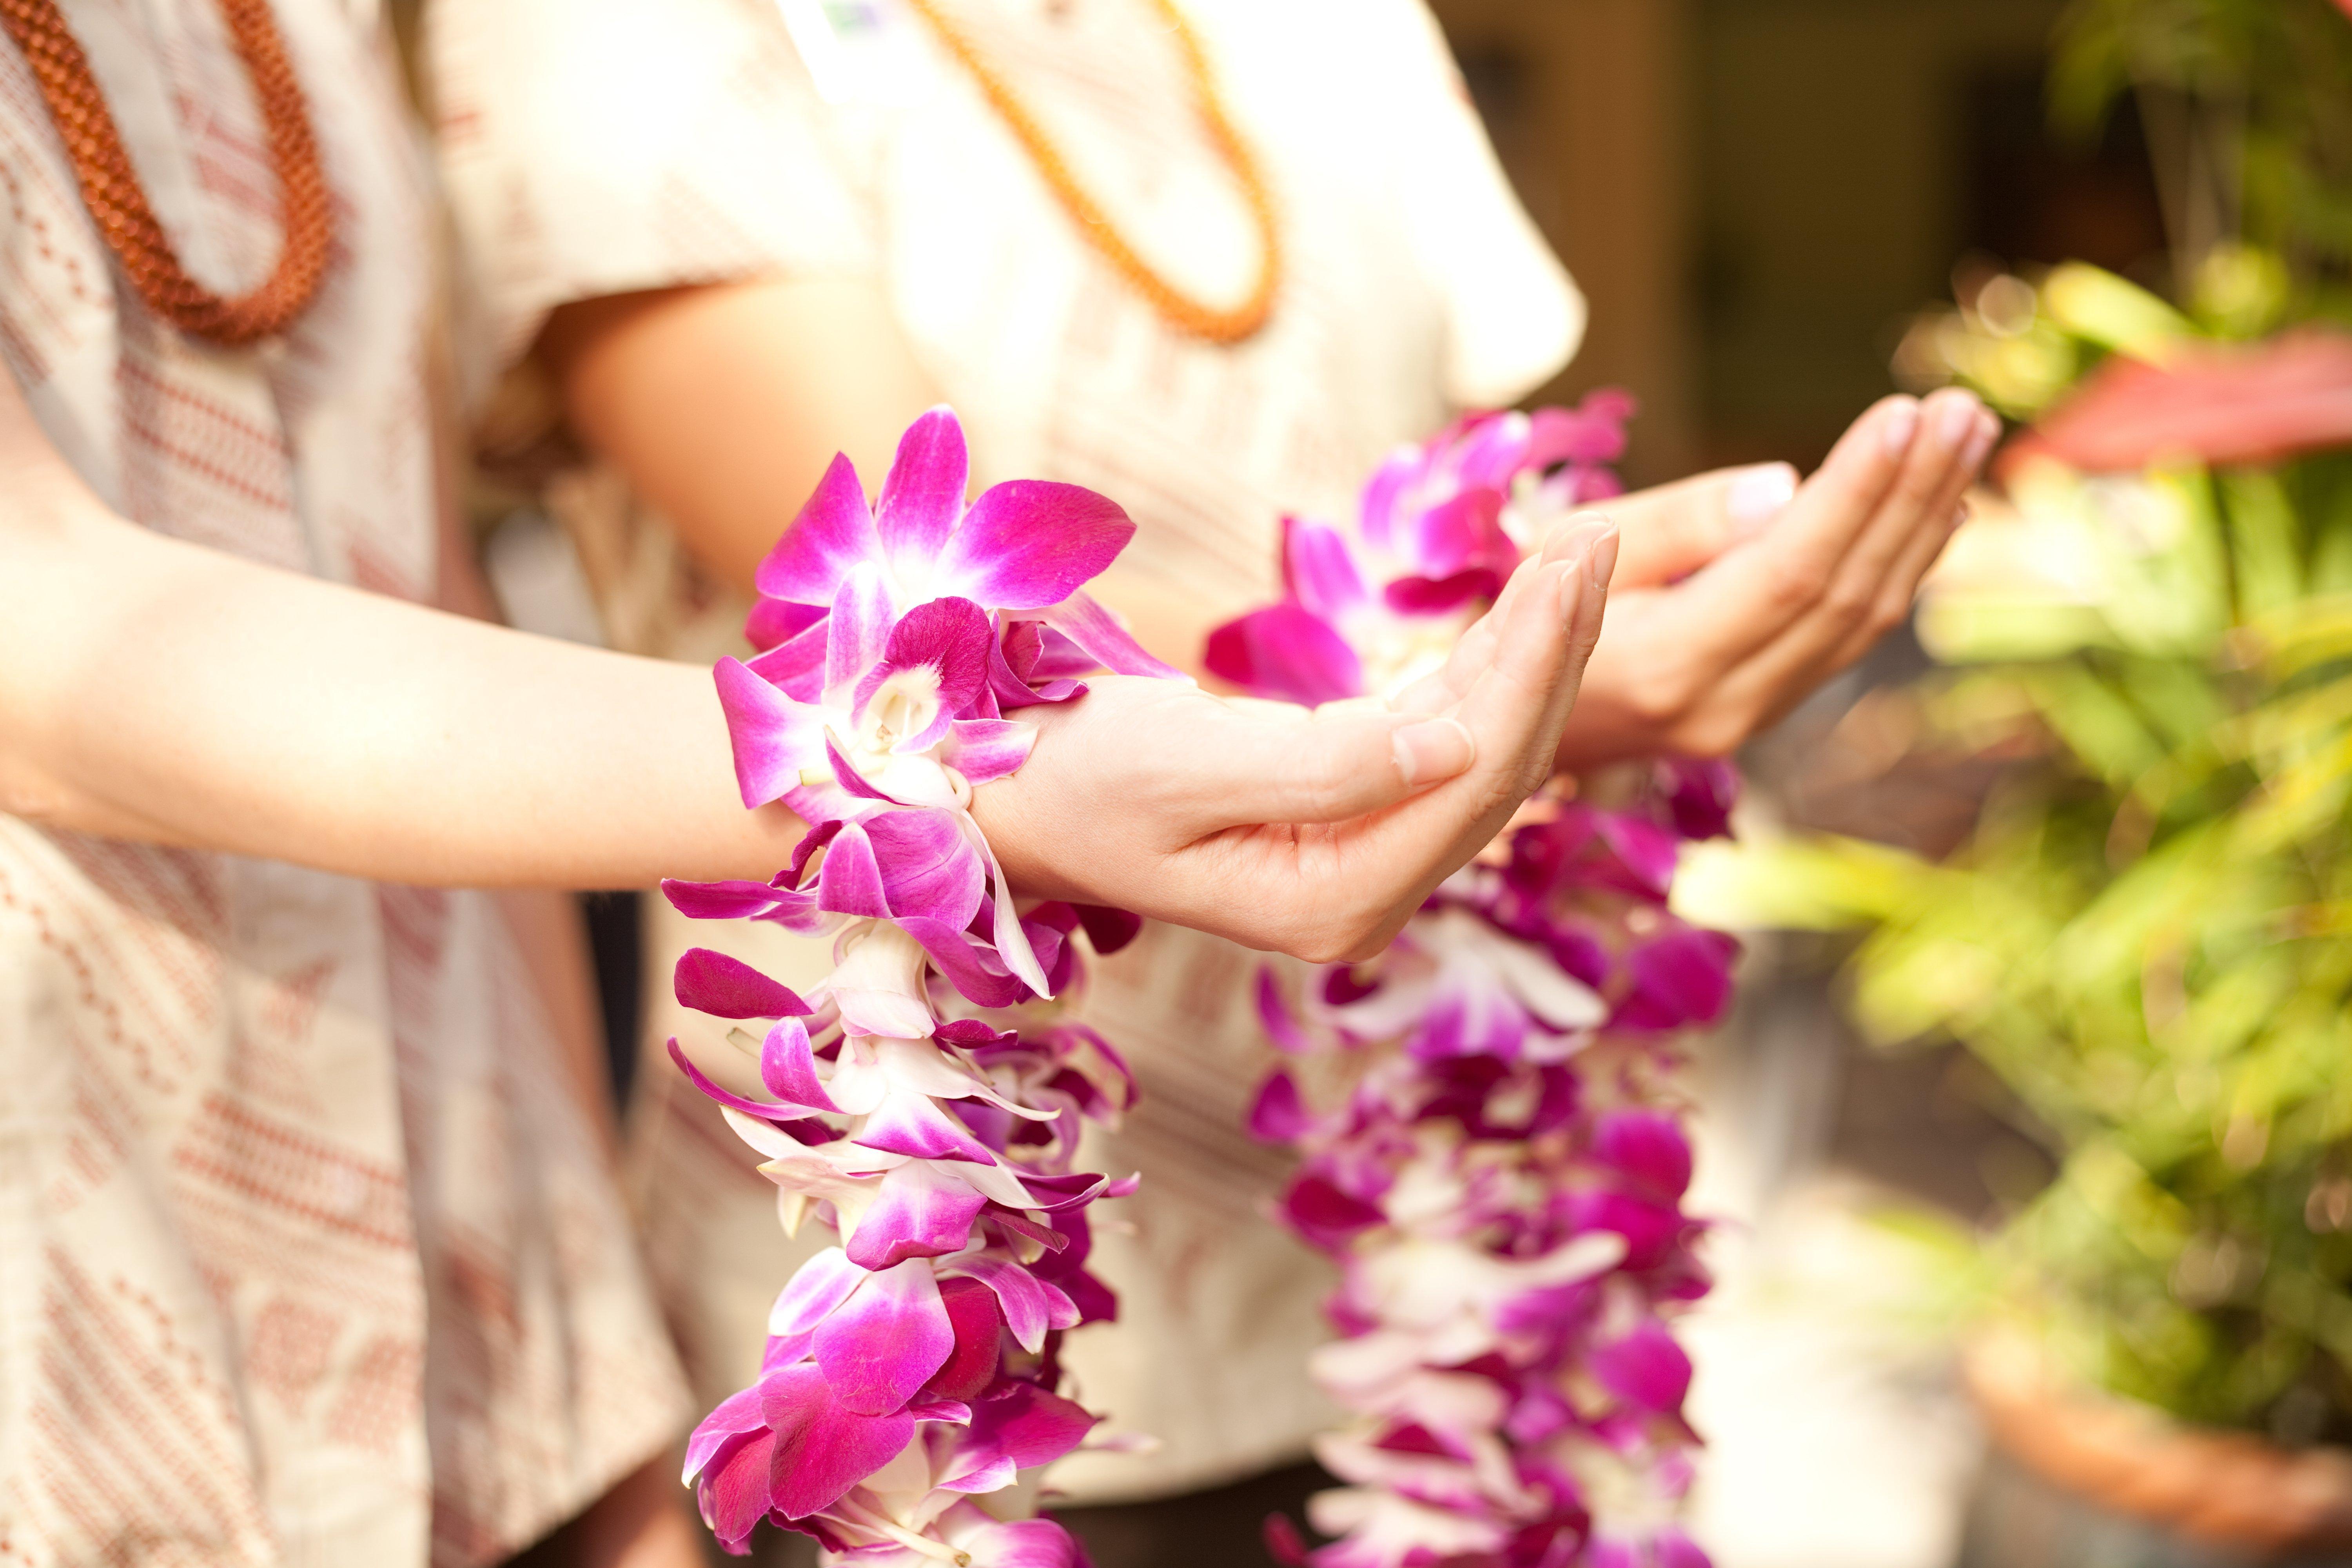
(2226, 1489)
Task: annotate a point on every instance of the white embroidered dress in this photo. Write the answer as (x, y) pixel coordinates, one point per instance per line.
(306, 1254)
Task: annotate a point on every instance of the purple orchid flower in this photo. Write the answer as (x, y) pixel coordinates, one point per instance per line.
(1502, 1184)
(901, 1102)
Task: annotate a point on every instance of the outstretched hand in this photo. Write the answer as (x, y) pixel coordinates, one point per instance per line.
(1316, 834)
(1731, 607)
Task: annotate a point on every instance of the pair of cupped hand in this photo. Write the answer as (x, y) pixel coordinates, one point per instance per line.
(1318, 833)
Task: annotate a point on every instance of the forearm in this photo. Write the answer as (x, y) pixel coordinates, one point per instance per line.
(156, 690)
(723, 403)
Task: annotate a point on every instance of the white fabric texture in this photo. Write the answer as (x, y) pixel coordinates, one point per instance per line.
(307, 1255)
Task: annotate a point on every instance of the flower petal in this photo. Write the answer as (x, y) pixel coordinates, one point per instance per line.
(978, 1324)
(773, 737)
(728, 987)
(737, 1414)
(1285, 652)
(1028, 543)
(733, 1102)
(857, 632)
(914, 1125)
(734, 1492)
(823, 1448)
(814, 1290)
(919, 1211)
(1101, 636)
(788, 1066)
(1319, 570)
(833, 535)
(952, 639)
(986, 749)
(1278, 1115)
(923, 494)
(929, 867)
(796, 666)
(884, 1342)
(1028, 1309)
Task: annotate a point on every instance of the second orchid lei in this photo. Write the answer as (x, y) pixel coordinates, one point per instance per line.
(925, 1099)
(1500, 1160)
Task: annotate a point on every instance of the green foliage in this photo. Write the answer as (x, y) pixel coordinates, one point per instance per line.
(2262, 83)
(2146, 937)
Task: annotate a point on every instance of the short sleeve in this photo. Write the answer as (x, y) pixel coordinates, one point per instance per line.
(592, 147)
(1514, 317)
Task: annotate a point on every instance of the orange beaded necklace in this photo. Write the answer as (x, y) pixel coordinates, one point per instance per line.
(1218, 325)
(111, 188)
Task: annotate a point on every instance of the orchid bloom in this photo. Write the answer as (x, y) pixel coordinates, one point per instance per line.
(922, 1100)
(1501, 1179)
(1443, 524)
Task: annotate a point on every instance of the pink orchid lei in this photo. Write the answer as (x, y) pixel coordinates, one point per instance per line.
(925, 1099)
(1501, 1171)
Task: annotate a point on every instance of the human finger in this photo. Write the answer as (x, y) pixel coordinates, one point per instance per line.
(1946, 514)
(1730, 610)
(1861, 602)
(1517, 707)
(1673, 529)
(1519, 704)
(1324, 767)
(1475, 649)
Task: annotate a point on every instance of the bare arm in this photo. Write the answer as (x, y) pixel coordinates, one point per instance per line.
(157, 690)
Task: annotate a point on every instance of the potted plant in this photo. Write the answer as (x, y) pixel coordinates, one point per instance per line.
(2147, 934)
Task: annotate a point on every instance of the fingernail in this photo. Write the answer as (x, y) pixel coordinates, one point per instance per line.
(1988, 431)
(1756, 496)
(1570, 538)
(1902, 422)
(1434, 749)
(1601, 561)
(1957, 421)
(1960, 514)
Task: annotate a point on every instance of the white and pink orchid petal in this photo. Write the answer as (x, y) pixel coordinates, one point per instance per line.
(884, 1342)
(1012, 941)
(1285, 652)
(983, 750)
(763, 1136)
(857, 632)
(736, 1413)
(773, 736)
(1104, 639)
(914, 1126)
(1551, 993)
(919, 1211)
(1029, 1311)
(877, 988)
(987, 1543)
(788, 1066)
(1028, 543)
(832, 535)
(947, 642)
(1319, 571)
(816, 1288)
(929, 866)
(999, 1182)
(796, 666)
(824, 1446)
(923, 495)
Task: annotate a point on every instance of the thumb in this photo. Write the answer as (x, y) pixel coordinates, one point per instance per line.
(1330, 765)
(1677, 528)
